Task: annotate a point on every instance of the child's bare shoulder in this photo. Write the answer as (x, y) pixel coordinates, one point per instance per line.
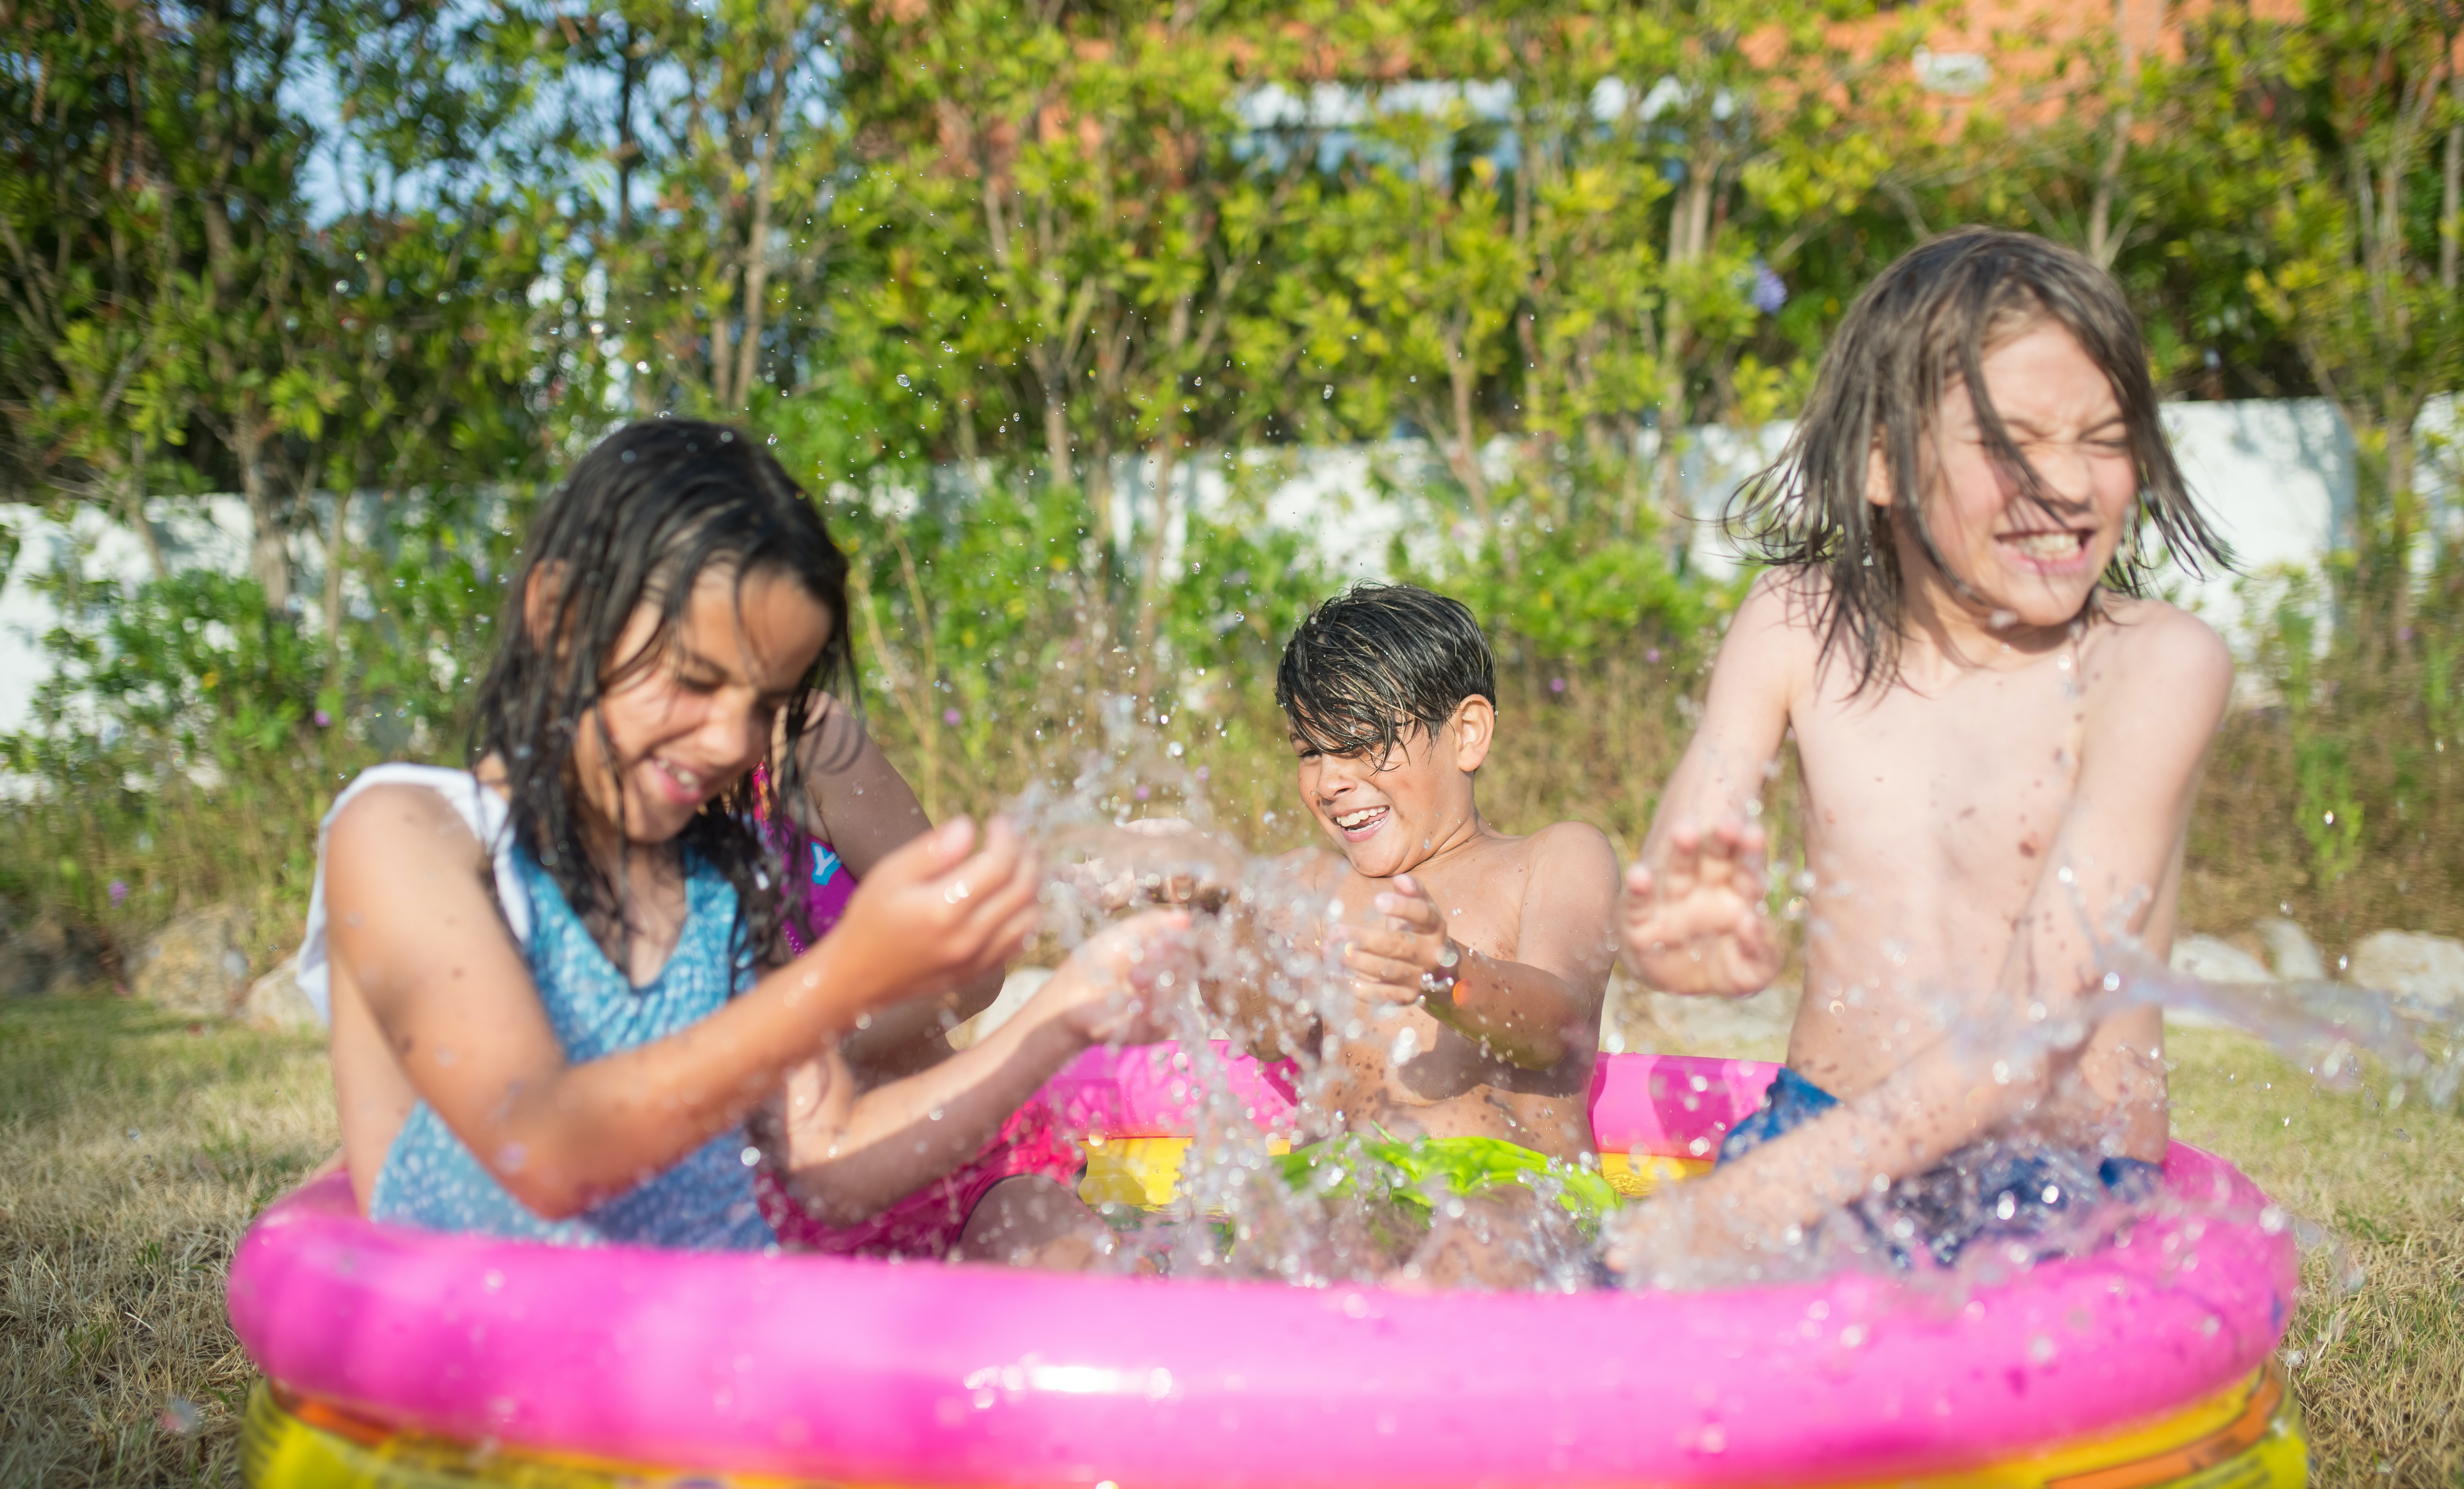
(2152, 644)
(1568, 858)
(1778, 625)
(397, 820)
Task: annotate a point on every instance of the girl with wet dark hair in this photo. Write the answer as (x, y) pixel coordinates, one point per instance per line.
(559, 980)
(1999, 736)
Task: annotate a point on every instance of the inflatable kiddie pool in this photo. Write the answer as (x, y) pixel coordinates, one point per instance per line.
(401, 1358)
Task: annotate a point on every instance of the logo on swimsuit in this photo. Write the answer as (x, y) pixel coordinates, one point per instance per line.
(826, 864)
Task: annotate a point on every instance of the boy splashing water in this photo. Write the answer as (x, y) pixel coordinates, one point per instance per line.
(1999, 737)
(1478, 960)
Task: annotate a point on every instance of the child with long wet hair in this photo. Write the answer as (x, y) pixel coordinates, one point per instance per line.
(559, 981)
(1999, 736)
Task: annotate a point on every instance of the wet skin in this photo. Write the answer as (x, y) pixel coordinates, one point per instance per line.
(2038, 727)
(1508, 1052)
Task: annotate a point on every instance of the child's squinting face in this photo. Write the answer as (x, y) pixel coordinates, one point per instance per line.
(687, 726)
(2034, 562)
(1389, 816)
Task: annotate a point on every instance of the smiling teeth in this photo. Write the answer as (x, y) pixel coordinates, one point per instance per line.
(2047, 545)
(1350, 820)
(688, 779)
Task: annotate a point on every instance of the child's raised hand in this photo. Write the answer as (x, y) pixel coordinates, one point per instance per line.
(1121, 986)
(1694, 921)
(1388, 960)
(934, 916)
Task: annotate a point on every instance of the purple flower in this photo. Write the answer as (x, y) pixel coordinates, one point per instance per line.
(324, 720)
(2404, 633)
(1556, 685)
(1652, 656)
(1768, 294)
(1203, 773)
(118, 891)
(950, 717)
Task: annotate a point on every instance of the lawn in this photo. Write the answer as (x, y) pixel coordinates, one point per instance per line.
(135, 1146)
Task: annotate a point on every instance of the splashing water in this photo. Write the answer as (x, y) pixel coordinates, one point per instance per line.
(1133, 829)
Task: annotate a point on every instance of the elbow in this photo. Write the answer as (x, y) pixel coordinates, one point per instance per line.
(552, 1186)
(546, 1198)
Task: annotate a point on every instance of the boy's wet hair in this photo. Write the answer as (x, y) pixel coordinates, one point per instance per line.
(1377, 662)
(1924, 327)
(639, 521)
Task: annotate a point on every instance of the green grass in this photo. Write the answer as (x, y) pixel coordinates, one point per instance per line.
(133, 1152)
(113, 1246)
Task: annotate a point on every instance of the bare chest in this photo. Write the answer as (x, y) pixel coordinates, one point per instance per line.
(1961, 789)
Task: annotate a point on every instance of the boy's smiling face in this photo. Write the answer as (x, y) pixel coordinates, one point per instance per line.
(2033, 563)
(1389, 815)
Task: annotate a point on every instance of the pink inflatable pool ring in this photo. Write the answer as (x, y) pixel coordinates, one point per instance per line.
(400, 1357)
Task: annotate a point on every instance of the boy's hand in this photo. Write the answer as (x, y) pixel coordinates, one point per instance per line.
(1388, 961)
(932, 916)
(1121, 986)
(1696, 922)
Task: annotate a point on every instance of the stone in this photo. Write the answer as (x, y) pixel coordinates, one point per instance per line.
(197, 964)
(2211, 959)
(46, 955)
(2289, 950)
(2424, 971)
(275, 1002)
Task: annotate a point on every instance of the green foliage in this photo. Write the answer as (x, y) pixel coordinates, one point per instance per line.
(1011, 289)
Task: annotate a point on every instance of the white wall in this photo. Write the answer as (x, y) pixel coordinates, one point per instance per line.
(2277, 478)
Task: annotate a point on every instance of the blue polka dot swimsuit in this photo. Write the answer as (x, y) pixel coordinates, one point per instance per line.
(706, 1200)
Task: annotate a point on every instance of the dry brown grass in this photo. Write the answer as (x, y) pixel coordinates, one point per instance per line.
(132, 1153)
(112, 1246)
(2381, 1364)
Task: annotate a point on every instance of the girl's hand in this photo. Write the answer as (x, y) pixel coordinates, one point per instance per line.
(1387, 962)
(1122, 986)
(932, 917)
(1695, 922)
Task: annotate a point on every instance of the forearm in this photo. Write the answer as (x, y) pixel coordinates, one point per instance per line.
(1528, 1016)
(583, 1133)
(1937, 1104)
(898, 1137)
(911, 1036)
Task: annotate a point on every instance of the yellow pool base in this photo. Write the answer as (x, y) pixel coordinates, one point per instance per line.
(2247, 1437)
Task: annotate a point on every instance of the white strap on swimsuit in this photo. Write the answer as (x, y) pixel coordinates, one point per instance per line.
(490, 820)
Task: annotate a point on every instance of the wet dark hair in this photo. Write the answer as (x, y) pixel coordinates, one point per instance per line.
(639, 521)
(1924, 327)
(1378, 661)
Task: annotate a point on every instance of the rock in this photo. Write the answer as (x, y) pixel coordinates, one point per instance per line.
(2211, 959)
(1739, 1028)
(275, 1002)
(197, 964)
(1016, 989)
(2291, 952)
(46, 955)
(2422, 969)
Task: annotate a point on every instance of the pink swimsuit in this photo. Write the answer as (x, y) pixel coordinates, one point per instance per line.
(929, 1222)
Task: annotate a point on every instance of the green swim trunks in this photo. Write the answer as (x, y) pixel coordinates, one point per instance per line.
(1410, 1173)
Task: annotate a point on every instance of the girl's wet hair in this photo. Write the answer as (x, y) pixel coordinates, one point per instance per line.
(639, 521)
(1924, 327)
(1377, 662)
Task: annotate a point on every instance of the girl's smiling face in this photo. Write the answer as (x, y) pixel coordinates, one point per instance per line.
(2030, 563)
(686, 722)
